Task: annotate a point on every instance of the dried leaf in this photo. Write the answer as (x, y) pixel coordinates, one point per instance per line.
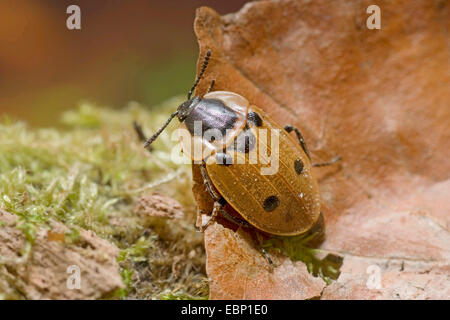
(239, 273)
(380, 99)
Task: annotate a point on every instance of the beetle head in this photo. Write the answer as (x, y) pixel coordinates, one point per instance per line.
(186, 107)
(182, 112)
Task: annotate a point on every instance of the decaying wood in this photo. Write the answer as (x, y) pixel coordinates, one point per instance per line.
(158, 205)
(44, 273)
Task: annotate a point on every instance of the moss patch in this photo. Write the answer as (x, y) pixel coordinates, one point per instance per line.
(319, 263)
(90, 173)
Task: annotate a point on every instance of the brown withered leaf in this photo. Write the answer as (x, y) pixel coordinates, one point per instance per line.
(381, 100)
(238, 273)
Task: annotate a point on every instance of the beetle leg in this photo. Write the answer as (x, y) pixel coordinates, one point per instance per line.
(235, 220)
(266, 255)
(219, 200)
(140, 133)
(327, 163)
(217, 208)
(289, 129)
(259, 239)
(209, 186)
(213, 81)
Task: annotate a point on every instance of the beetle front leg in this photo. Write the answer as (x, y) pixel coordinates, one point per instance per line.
(219, 200)
(217, 208)
(140, 133)
(213, 81)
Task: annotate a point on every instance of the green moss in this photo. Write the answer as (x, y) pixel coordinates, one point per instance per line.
(123, 293)
(90, 174)
(139, 250)
(297, 249)
(73, 236)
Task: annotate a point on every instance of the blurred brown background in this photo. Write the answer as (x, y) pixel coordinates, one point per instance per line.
(140, 50)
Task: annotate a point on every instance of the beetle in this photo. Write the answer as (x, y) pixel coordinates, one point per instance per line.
(286, 203)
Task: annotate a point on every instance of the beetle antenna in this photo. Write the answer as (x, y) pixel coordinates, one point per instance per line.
(153, 137)
(205, 64)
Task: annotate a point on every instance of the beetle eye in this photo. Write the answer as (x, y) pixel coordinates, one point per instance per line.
(186, 107)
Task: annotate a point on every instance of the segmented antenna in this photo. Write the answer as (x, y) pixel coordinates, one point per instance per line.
(153, 137)
(205, 64)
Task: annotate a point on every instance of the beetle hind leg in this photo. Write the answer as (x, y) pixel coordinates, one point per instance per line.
(259, 241)
(235, 220)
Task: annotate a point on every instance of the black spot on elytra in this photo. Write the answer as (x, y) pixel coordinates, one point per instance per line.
(271, 203)
(298, 166)
(223, 159)
(254, 119)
